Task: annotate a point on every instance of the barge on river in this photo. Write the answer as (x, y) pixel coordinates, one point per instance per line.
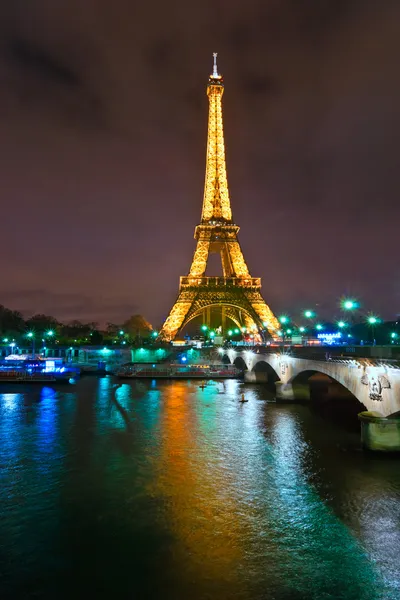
(178, 372)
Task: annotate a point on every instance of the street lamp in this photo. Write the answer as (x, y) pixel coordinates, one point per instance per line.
(372, 320)
(349, 304)
(283, 319)
(309, 314)
(319, 327)
(341, 324)
(31, 336)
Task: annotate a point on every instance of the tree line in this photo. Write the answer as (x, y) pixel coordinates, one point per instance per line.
(14, 326)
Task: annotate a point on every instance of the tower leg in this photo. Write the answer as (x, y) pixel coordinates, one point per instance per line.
(223, 319)
(177, 316)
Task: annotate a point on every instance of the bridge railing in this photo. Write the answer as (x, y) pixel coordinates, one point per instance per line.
(388, 354)
(247, 282)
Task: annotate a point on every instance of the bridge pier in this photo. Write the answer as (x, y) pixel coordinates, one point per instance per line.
(379, 433)
(288, 392)
(253, 377)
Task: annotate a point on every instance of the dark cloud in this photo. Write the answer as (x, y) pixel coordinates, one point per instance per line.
(33, 59)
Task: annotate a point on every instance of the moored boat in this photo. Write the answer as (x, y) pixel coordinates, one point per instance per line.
(178, 372)
(37, 369)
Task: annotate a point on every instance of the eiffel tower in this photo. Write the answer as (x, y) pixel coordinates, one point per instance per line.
(236, 293)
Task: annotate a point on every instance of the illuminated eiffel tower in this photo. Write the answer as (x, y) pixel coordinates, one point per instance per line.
(236, 292)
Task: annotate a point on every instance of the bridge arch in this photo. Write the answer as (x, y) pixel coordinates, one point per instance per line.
(240, 363)
(225, 359)
(325, 388)
(264, 372)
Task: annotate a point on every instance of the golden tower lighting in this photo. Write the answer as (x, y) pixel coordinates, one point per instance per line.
(236, 292)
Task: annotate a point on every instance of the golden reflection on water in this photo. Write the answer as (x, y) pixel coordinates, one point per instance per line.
(210, 538)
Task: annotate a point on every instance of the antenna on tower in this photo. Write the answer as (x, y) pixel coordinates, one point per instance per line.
(215, 71)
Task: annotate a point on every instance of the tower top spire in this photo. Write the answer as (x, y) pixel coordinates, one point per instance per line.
(215, 70)
(216, 203)
(215, 75)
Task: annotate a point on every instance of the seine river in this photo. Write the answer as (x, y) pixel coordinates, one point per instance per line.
(168, 491)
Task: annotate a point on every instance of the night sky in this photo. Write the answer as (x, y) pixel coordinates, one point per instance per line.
(103, 123)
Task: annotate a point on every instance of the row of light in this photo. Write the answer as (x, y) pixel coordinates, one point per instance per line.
(371, 319)
(31, 335)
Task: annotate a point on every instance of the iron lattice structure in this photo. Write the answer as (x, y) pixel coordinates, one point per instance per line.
(236, 292)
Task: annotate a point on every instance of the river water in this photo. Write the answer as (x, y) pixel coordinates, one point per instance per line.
(166, 490)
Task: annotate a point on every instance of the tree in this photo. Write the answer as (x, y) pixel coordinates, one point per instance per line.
(112, 329)
(11, 321)
(137, 328)
(76, 331)
(42, 323)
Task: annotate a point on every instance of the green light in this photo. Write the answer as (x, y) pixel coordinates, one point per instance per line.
(121, 332)
(155, 333)
(283, 319)
(341, 324)
(308, 314)
(50, 333)
(244, 329)
(204, 327)
(230, 332)
(349, 304)
(319, 327)
(280, 332)
(212, 333)
(288, 331)
(237, 330)
(5, 340)
(393, 335)
(29, 335)
(372, 320)
(302, 329)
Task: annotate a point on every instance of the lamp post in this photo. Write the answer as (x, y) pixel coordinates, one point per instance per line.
(31, 336)
(373, 321)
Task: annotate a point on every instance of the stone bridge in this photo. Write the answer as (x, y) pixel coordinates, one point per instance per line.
(375, 383)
